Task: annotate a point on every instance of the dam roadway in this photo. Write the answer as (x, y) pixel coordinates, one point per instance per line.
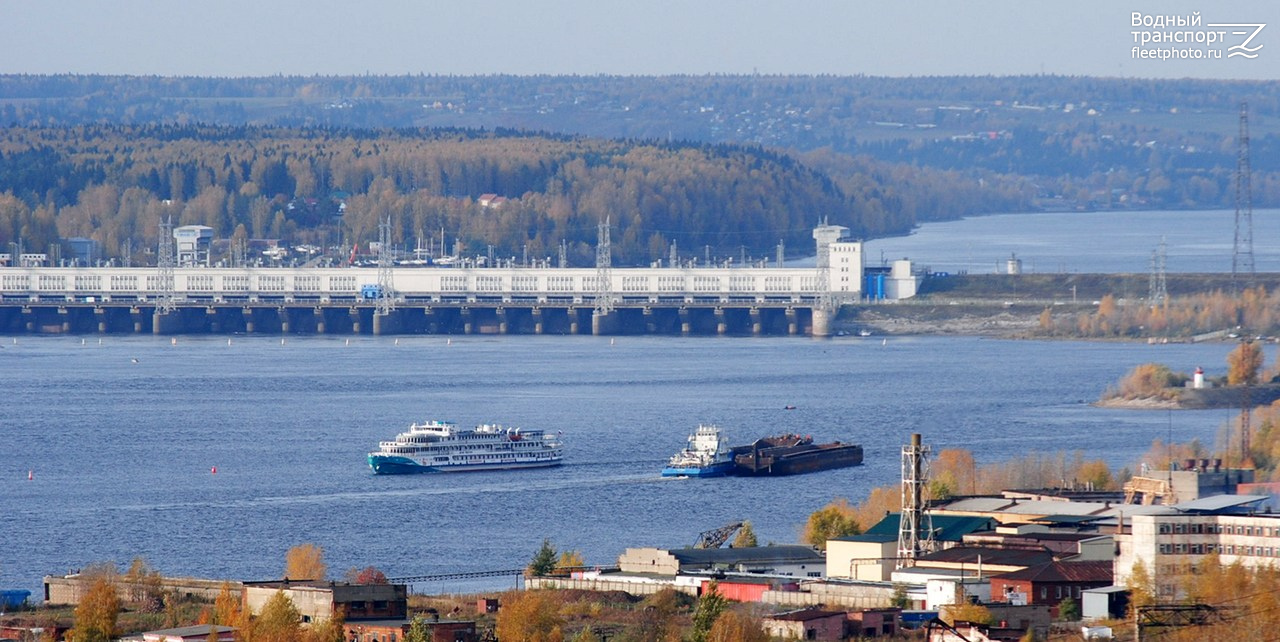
(421, 300)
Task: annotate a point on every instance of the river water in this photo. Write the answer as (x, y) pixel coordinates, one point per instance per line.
(121, 453)
(1102, 242)
(120, 435)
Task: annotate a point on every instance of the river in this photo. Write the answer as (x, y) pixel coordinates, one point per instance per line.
(121, 437)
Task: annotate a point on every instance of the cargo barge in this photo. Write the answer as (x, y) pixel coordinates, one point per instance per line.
(792, 455)
(708, 456)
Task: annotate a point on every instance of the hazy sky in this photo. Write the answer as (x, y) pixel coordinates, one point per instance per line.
(877, 37)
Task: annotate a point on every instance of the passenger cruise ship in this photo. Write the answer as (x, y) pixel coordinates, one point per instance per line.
(439, 446)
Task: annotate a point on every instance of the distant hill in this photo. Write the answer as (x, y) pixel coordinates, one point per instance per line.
(506, 193)
(896, 151)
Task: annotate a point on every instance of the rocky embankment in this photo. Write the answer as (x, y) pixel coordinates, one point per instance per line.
(1201, 398)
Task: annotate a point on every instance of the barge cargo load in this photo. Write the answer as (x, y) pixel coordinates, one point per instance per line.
(793, 455)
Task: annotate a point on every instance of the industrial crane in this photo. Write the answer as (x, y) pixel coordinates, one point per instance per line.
(717, 537)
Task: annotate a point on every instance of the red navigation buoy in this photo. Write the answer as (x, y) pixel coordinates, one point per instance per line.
(214, 470)
(31, 474)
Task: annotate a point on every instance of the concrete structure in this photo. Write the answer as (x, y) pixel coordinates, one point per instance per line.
(197, 633)
(787, 561)
(67, 590)
(396, 630)
(1169, 546)
(317, 601)
(873, 623)
(1104, 603)
(807, 624)
(84, 252)
(470, 299)
(193, 243)
(872, 556)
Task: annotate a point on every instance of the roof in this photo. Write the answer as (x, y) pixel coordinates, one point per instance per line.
(188, 631)
(1217, 503)
(805, 615)
(1064, 572)
(946, 528)
(1107, 589)
(789, 553)
(982, 555)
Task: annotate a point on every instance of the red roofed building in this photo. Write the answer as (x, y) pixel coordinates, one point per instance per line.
(1051, 583)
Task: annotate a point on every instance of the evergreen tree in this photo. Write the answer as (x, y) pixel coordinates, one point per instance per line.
(544, 561)
(710, 606)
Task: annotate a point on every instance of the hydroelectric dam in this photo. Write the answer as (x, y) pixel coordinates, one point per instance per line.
(391, 300)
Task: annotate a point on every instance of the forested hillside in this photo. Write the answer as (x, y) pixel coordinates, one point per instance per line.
(727, 165)
(1085, 143)
(330, 187)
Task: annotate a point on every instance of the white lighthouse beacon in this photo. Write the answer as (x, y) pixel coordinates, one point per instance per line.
(1197, 380)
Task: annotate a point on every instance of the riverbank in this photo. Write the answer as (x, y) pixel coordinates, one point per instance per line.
(1011, 306)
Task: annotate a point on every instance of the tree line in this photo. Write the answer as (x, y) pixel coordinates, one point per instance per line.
(116, 184)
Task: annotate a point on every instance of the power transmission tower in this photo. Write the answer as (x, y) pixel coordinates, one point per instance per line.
(564, 254)
(604, 274)
(1242, 256)
(1159, 292)
(164, 266)
(386, 293)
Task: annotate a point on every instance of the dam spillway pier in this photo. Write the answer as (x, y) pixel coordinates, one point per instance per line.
(712, 301)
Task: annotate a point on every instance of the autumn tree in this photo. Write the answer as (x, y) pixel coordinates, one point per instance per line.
(736, 626)
(227, 607)
(530, 616)
(97, 612)
(1149, 380)
(967, 611)
(746, 537)
(279, 621)
(1243, 364)
(366, 575)
(305, 562)
(419, 630)
(543, 562)
(661, 622)
(145, 586)
(568, 562)
(952, 472)
(836, 519)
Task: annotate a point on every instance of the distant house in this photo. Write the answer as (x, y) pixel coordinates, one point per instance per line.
(392, 630)
(807, 624)
(318, 600)
(492, 201)
(1051, 583)
(791, 561)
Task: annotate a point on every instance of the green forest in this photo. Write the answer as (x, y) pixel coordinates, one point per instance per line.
(331, 187)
